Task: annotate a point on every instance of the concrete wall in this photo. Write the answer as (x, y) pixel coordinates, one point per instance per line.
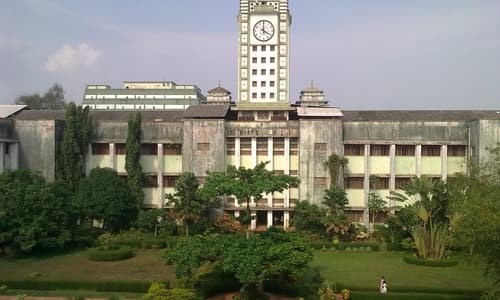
(197, 132)
(484, 134)
(37, 145)
(152, 132)
(314, 131)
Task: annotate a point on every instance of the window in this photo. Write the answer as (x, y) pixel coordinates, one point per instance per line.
(278, 172)
(100, 148)
(254, 95)
(380, 183)
(279, 116)
(254, 48)
(169, 181)
(402, 182)
(354, 150)
(254, 60)
(379, 150)
(272, 60)
(263, 72)
(245, 146)
(254, 71)
(354, 183)
(6, 149)
(120, 149)
(263, 60)
(261, 146)
(405, 150)
(263, 95)
(271, 83)
(279, 146)
(230, 146)
(272, 72)
(263, 84)
(271, 95)
(456, 150)
(263, 116)
(263, 48)
(247, 115)
(431, 150)
(203, 146)
(150, 181)
(320, 182)
(294, 146)
(254, 83)
(149, 149)
(294, 172)
(272, 48)
(320, 147)
(172, 149)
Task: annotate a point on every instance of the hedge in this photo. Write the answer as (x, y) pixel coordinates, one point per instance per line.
(103, 254)
(411, 259)
(98, 286)
(356, 246)
(356, 295)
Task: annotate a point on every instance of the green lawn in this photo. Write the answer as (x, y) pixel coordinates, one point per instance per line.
(145, 266)
(363, 271)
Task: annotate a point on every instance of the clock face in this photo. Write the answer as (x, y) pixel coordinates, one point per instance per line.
(263, 30)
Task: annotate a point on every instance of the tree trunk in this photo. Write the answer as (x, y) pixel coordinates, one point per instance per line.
(187, 229)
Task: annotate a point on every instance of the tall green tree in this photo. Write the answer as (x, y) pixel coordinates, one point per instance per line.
(52, 99)
(376, 204)
(477, 201)
(34, 215)
(246, 184)
(106, 197)
(335, 165)
(133, 166)
(187, 204)
(70, 166)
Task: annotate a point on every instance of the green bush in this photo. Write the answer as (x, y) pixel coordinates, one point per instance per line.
(99, 286)
(305, 286)
(412, 259)
(320, 245)
(356, 246)
(217, 283)
(110, 254)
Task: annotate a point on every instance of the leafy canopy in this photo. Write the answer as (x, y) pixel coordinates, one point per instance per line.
(53, 99)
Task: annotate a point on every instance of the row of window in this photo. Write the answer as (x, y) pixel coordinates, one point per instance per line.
(262, 146)
(263, 60)
(146, 149)
(272, 83)
(264, 48)
(403, 150)
(262, 116)
(263, 72)
(264, 95)
(381, 183)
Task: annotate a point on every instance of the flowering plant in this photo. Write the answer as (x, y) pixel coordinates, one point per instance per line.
(345, 294)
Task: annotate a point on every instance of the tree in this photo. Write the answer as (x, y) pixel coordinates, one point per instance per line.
(272, 253)
(149, 220)
(133, 158)
(76, 137)
(308, 217)
(376, 204)
(335, 165)
(34, 215)
(246, 184)
(187, 204)
(434, 215)
(52, 99)
(477, 200)
(104, 196)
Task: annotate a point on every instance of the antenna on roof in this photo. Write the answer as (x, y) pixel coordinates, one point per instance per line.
(219, 83)
(312, 83)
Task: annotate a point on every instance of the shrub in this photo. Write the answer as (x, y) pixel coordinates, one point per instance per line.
(99, 286)
(3, 289)
(305, 285)
(217, 283)
(110, 254)
(412, 259)
(357, 246)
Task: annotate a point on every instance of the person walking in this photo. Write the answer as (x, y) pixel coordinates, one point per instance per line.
(383, 288)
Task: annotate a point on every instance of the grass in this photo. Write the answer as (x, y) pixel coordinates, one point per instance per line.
(146, 266)
(74, 294)
(362, 271)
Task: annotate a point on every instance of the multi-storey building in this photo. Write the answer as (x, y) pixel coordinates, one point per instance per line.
(208, 134)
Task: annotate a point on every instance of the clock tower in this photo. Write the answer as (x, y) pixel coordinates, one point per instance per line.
(263, 53)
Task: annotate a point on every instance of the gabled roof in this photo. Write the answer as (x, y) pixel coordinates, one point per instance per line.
(9, 110)
(420, 115)
(104, 115)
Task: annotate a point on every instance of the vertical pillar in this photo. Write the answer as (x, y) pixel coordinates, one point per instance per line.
(366, 186)
(14, 156)
(237, 152)
(159, 176)
(253, 153)
(286, 169)
(444, 162)
(253, 223)
(2, 154)
(392, 176)
(418, 160)
(269, 218)
(286, 219)
(112, 156)
(88, 159)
